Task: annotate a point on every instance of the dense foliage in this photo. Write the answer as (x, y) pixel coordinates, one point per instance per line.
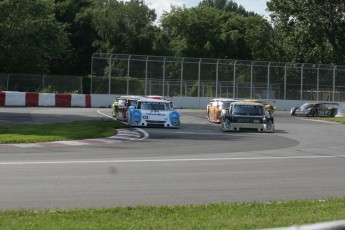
(44, 36)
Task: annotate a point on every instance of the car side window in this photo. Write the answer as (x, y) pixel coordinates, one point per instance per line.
(322, 106)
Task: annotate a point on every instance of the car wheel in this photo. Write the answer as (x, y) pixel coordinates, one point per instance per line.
(313, 113)
(222, 127)
(334, 112)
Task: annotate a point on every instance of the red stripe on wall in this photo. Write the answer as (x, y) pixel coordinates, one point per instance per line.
(63, 100)
(2, 98)
(31, 99)
(87, 100)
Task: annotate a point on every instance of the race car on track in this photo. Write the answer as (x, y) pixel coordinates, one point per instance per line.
(157, 97)
(121, 104)
(216, 107)
(315, 109)
(153, 113)
(246, 116)
(269, 108)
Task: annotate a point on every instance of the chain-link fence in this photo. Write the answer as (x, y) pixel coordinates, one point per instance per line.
(182, 76)
(42, 83)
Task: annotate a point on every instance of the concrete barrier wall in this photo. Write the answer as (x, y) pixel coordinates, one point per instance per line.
(44, 99)
(105, 101)
(102, 100)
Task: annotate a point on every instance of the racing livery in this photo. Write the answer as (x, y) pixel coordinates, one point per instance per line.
(217, 107)
(121, 104)
(315, 109)
(153, 113)
(244, 116)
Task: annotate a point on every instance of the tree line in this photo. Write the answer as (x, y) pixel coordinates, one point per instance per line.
(60, 36)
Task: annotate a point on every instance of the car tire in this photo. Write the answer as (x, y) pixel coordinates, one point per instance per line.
(222, 127)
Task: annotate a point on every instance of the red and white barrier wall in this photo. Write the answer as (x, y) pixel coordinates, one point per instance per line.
(8, 98)
(44, 99)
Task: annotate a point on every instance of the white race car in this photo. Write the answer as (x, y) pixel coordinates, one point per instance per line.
(153, 113)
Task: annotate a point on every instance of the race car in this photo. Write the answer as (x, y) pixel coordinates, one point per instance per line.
(216, 107)
(315, 109)
(269, 108)
(155, 97)
(153, 113)
(247, 116)
(121, 104)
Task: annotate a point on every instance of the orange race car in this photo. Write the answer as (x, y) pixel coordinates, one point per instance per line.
(216, 107)
(269, 108)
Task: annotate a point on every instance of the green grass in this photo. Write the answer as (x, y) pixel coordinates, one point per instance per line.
(58, 131)
(336, 119)
(214, 216)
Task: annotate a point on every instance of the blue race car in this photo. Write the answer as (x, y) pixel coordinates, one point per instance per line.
(153, 113)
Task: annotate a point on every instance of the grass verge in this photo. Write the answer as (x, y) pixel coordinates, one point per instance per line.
(335, 119)
(215, 216)
(58, 131)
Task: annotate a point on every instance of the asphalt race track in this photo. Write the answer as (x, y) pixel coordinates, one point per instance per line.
(196, 164)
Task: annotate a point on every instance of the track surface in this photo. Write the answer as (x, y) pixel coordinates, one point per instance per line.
(196, 164)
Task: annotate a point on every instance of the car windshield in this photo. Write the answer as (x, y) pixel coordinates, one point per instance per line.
(307, 106)
(225, 105)
(155, 106)
(248, 110)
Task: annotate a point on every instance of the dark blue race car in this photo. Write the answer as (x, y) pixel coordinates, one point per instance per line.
(315, 109)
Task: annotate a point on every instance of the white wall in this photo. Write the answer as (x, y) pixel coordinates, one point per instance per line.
(198, 103)
(106, 100)
(102, 100)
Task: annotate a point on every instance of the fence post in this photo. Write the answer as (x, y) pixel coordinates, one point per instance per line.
(163, 90)
(81, 84)
(146, 69)
(91, 72)
(268, 81)
(8, 81)
(199, 78)
(234, 81)
(43, 81)
(285, 76)
(217, 73)
(181, 77)
(251, 80)
(317, 82)
(128, 71)
(302, 81)
(334, 71)
(109, 75)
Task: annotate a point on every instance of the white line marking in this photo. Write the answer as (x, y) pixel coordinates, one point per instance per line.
(103, 114)
(146, 135)
(167, 160)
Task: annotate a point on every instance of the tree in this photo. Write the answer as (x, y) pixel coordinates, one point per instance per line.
(311, 31)
(193, 32)
(30, 36)
(124, 27)
(77, 16)
(209, 32)
(227, 6)
(245, 37)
